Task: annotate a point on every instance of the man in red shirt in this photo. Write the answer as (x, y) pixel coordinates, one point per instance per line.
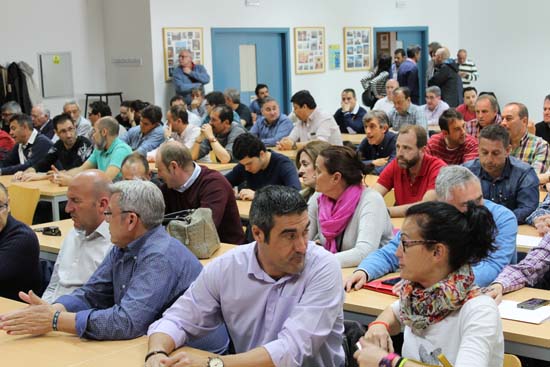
(412, 173)
(452, 144)
(468, 108)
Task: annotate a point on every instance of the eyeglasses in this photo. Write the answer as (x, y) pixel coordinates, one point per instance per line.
(109, 214)
(409, 243)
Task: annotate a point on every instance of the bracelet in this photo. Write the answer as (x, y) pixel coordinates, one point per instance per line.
(213, 140)
(388, 360)
(380, 323)
(55, 320)
(155, 352)
(401, 362)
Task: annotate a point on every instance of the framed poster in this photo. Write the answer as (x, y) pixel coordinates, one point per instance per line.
(309, 50)
(357, 48)
(176, 40)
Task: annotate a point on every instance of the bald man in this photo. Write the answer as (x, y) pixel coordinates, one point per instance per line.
(135, 167)
(86, 245)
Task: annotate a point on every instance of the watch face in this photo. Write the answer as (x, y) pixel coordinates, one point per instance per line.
(215, 362)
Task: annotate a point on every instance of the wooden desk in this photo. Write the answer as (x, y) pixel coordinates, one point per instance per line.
(291, 154)
(52, 244)
(244, 208)
(225, 247)
(355, 139)
(222, 167)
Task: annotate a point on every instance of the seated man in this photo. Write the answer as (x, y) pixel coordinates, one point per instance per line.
(259, 167)
(213, 100)
(486, 108)
(9, 109)
(30, 146)
(434, 107)
(191, 117)
(107, 156)
(404, 111)
(386, 103)
(198, 104)
(457, 186)
(140, 277)
(378, 148)
(218, 135)
(42, 121)
(281, 296)
(189, 186)
(468, 108)
(272, 125)
(83, 125)
(412, 173)
(68, 152)
(86, 245)
(123, 115)
(349, 116)
(504, 179)
(19, 253)
(452, 144)
(313, 124)
(543, 128)
(233, 100)
(99, 109)
(135, 167)
(150, 132)
(261, 91)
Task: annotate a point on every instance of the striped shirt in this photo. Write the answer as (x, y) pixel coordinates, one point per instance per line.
(413, 116)
(532, 150)
(473, 127)
(469, 67)
(464, 153)
(378, 82)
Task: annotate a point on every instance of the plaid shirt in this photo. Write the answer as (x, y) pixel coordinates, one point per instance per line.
(534, 151)
(529, 270)
(473, 128)
(543, 209)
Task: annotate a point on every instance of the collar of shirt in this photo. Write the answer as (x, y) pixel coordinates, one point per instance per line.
(524, 139)
(506, 172)
(273, 124)
(192, 179)
(135, 246)
(112, 147)
(355, 110)
(101, 231)
(44, 126)
(255, 270)
(313, 116)
(31, 140)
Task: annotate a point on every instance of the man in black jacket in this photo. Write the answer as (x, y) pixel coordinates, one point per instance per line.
(446, 77)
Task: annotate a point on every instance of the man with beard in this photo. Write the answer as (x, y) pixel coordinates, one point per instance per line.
(108, 154)
(412, 173)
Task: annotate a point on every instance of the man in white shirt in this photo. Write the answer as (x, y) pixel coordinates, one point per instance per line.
(193, 119)
(434, 107)
(386, 104)
(86, 245)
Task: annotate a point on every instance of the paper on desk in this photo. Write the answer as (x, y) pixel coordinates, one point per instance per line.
(509, 310)
(527, 241)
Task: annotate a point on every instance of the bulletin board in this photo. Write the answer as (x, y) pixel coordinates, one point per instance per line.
(357, 48)
(176, 40)
(309, 50)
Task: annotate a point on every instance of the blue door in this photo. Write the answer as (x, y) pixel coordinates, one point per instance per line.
(272, 61)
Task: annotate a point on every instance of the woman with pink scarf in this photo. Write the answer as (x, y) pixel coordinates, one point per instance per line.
(346, 218)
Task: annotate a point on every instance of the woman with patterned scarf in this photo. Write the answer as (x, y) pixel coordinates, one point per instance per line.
(447, 320)
(347, 218)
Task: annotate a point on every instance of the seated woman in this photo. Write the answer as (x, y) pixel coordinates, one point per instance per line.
(347, 218)
(443, 313)
(305, 161)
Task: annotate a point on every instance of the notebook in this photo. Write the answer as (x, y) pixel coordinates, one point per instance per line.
(382, 285)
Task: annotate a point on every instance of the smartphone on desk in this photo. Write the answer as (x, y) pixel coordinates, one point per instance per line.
(391, 281)
(533, 303)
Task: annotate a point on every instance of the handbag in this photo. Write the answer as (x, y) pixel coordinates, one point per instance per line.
(368, 97)
(195, 229)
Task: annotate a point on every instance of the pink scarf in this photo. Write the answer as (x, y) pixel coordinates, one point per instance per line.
(334, 216)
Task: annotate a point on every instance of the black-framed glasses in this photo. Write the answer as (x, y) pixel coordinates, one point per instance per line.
(409, 243)
(109, 214)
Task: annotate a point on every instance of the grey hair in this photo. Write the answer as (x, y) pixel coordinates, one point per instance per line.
(434, 89)
(109, 123)
(450, 177)
(43, 108)
(12, 107)
(70, 102)
(142, 197)
(379, 115)
(233, 95)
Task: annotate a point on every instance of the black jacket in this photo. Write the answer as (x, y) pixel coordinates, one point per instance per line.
(447, 79)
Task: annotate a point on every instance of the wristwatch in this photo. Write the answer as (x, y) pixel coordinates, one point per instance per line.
(387, 360)
(214, 362)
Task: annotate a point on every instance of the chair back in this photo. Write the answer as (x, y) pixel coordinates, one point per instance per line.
(23, 202)
(511, 360)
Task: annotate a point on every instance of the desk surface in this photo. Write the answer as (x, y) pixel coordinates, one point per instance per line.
(244, 208)
(52, 244)
(354, 138)
(291, 154)
(47, 189)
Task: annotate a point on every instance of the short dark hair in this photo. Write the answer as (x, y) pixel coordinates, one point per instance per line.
(379, 115)
(247, 145)
(199, 90)
(491, 97)
(522, 109)
(22, 119)
(138, 105)
(136, 157)
(447, 116)
(433, 47)
(271, 201)
(258, 87)
(467, 89)
(496, 133)
(100, 107)
(225, 112)
(419, 131)
(303, 97)
(152, 113)
(405, 90)
(349, 90)
(412, 50)
(547, 98)
(179, 112)
(469, 236)
(60, 119)
(126, 104)
(177, 97)
(215, 98)
(263, 101)
(346, 161)
(400, 51)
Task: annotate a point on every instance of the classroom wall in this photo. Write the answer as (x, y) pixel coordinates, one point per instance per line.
(508, 41)
(29, 27)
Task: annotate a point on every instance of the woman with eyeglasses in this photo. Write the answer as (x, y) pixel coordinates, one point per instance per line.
(347, 218)
(446, 318)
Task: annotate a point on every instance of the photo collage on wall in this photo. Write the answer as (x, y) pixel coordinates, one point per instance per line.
(176, 40)
(309, 50)
(357, 48)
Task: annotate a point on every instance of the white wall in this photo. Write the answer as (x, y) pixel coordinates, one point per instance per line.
(333, 15)
(508, 41)
(29, 27)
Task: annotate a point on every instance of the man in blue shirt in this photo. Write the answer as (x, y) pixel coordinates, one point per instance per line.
(505, 180)
(378, 148)
(259, 167)
(141, 276)
(407, 75)
(349, 116)
(457, 186)
(272, 125)
(150, 132)
(189, 75)
(261, 91)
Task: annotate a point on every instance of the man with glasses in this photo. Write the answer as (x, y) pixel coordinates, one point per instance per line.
(68, 152)
(140, 277)
(83, 125)
(455, 185)
(19, 253)
(189, 75)
(9, 109)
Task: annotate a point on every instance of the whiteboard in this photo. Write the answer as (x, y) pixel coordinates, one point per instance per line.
(56, 74)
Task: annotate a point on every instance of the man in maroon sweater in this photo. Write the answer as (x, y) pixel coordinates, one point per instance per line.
(189, 186)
